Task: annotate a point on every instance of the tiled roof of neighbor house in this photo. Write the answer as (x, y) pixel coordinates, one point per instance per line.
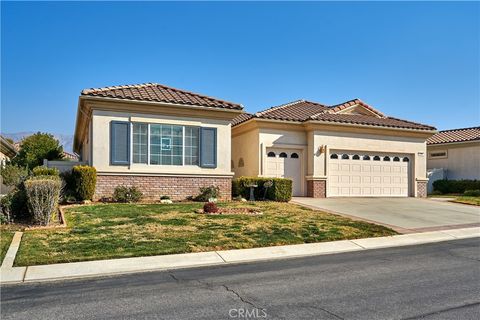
(7, 148)
(455, 135)
(302, 110)
(154, 92)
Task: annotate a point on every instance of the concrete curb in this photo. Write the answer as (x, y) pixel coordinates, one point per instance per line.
(98, 268)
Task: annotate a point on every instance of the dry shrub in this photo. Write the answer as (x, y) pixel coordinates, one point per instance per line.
(43, 194)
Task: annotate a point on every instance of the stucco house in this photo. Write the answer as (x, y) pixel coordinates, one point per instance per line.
(163, 140)
(349, 149)
(7, 152)
(457, 152)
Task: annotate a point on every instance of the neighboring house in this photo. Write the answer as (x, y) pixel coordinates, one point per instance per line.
(7, 152)
(69, 156)
(457, 151)
(350, 149)
(163, 140)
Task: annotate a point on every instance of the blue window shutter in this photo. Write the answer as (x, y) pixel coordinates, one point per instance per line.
(208, 147)
(119, 143)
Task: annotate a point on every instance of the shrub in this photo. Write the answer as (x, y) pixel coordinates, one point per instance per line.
(276, 189)
(472, 193)
(210, 207)
(164, 198)
(44, 171)
(13, 175)
(14, 204)
(207, 193)
(455, 186)
(127, 194)
(43, 194)
(84, 180)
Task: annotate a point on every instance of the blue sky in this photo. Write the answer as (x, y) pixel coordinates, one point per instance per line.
(416, 61)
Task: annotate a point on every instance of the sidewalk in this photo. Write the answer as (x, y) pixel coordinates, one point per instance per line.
(52, 272)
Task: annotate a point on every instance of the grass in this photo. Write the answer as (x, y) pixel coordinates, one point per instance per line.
(458, 198)
(104, 231)
(468, 200)
(6, 235)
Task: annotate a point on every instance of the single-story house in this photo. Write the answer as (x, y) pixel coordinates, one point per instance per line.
(457, 152)
(7, 152)
(344, 150)
(163, 140)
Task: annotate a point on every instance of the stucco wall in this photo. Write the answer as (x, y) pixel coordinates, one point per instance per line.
(100, 140)
(462, 161)
(245, 147)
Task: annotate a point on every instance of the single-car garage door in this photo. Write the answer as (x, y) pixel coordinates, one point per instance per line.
(284, 163)
(360, 174)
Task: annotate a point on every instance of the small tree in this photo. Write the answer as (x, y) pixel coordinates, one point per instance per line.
(35, 148)
(13, 175)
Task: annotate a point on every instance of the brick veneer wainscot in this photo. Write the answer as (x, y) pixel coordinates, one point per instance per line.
(177, 188)
(317, 188)
(422, 189)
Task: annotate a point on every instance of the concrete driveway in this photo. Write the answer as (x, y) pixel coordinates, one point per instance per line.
(402, 214)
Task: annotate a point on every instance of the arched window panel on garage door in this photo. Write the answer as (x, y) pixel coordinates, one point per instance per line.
(271, 154)
(294, 155)
(334, 156)
(345, 156)
(283, 155)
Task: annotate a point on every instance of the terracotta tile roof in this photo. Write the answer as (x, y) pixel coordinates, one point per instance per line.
(299, 110)
(155, 92)
(373, 121)
(342, 106)
(455, 135)
(241, 118)
(302, 110)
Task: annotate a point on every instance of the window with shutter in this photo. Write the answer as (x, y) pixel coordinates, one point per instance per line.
(119, 143)
(208, 147)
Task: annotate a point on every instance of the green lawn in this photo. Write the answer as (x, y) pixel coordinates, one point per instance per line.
(468, 200)
(103, 231)
(5, 239)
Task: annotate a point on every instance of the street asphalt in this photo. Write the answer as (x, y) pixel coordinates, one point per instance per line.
(433, 281)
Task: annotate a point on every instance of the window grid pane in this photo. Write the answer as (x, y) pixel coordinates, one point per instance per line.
(166, 144)
(140, 143)
(191, 145)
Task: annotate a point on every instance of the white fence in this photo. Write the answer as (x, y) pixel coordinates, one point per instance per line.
(62, 166)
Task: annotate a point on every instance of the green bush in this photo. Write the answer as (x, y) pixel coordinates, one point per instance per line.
(44, 171)
(455, 186)
(85, 180)
(207, 193)
(13, 175)
(279, 189)
(127, 194)
(14, 204)
(472, 193)
(43, 194)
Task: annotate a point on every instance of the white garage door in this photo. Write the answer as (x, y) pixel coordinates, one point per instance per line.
(360, 174)
(284, 163)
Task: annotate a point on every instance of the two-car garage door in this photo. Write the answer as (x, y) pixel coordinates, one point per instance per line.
(363, 174)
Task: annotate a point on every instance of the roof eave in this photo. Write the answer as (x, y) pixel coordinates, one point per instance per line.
(432, 131)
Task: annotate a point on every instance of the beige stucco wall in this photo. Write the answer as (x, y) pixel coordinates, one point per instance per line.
(100, 148)
(462, 161)
(246, 147)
